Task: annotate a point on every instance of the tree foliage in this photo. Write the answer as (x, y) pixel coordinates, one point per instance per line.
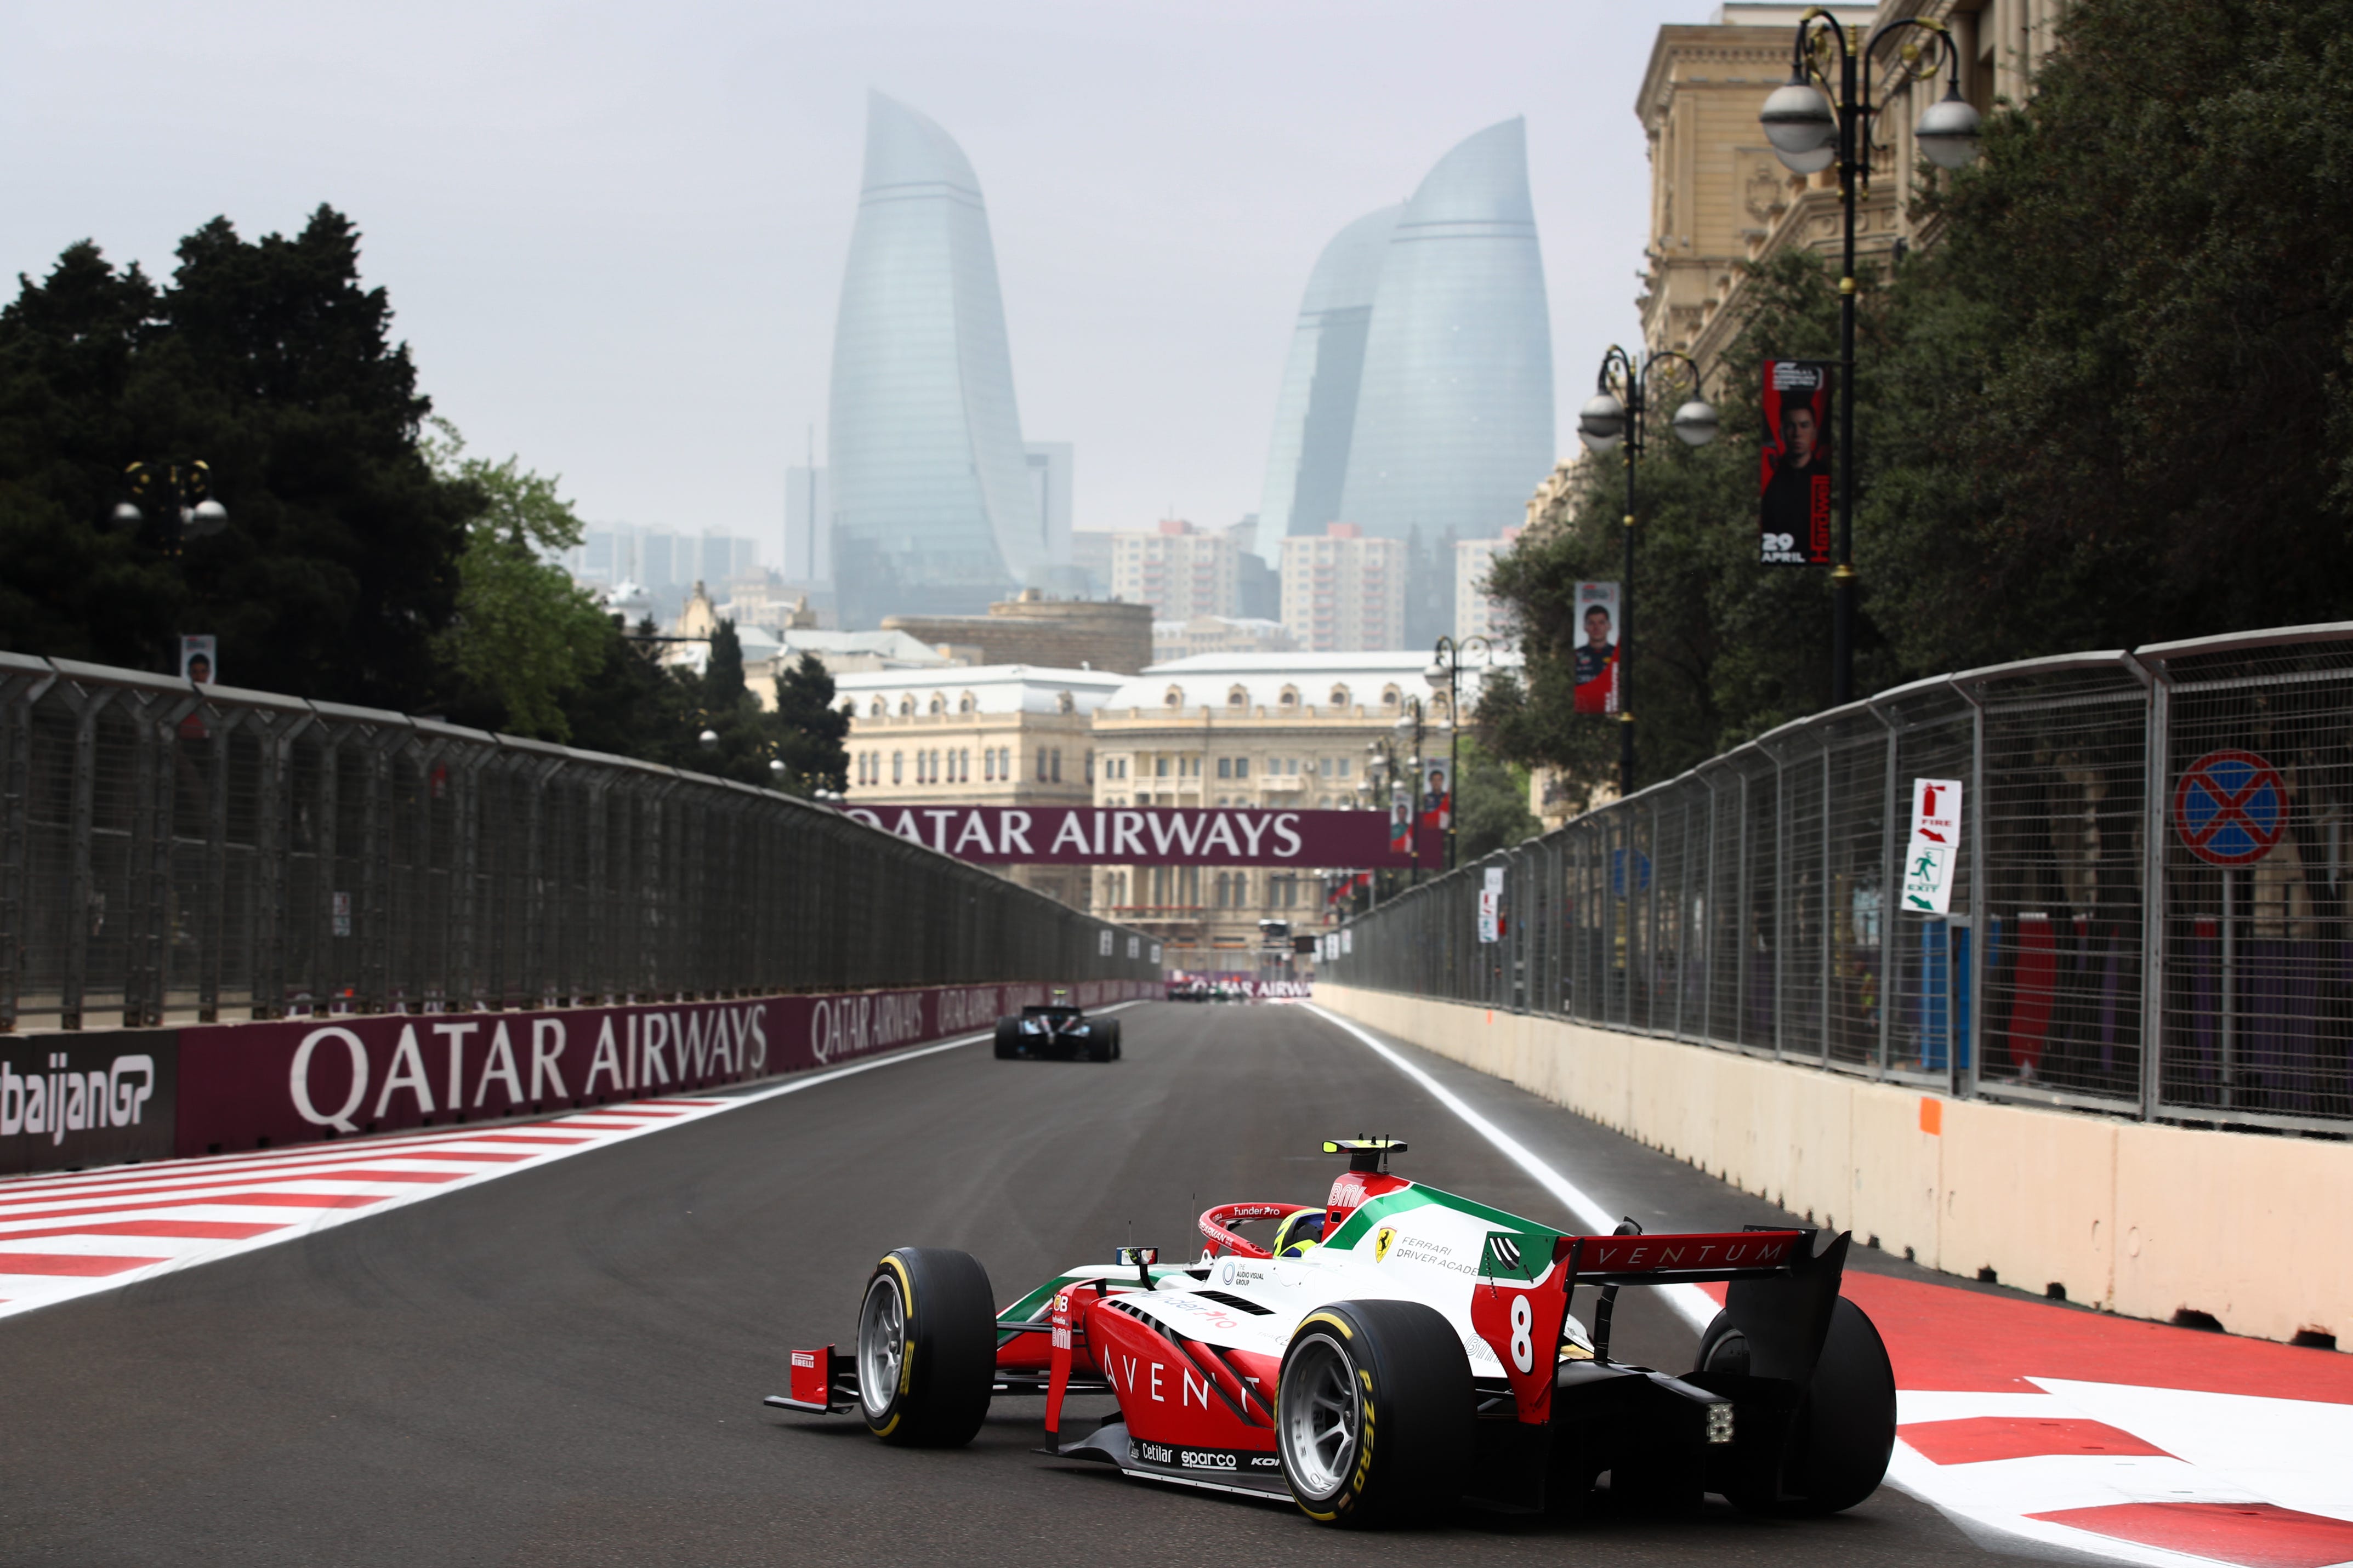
(2109, 406)
(268, 360)
(525, 637)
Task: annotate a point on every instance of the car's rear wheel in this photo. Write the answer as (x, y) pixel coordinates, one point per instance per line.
(1843, 1434)
(926, 1348)
(1114, 1041)
(1373, 1414)
(1009, 1038)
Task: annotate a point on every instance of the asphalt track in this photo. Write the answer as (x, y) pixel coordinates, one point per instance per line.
(565, 1367)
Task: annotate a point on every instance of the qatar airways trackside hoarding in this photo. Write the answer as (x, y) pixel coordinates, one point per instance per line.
(1166, 836)
(247, 1085)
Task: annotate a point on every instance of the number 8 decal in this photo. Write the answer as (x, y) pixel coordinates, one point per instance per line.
(1524, 1349)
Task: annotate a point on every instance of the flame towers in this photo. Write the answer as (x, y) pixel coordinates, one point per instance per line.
(1418, 399)
(931, 497)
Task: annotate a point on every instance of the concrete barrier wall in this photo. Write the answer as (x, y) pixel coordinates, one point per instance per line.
(2141, 1219)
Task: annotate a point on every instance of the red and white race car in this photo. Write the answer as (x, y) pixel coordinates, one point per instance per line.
(1391, 1355)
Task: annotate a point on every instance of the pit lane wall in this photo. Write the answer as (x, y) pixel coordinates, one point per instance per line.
(2142, 1219)
(77, 1099)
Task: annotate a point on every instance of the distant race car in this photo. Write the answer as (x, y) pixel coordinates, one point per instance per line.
(1059, 1028)
(1391, 1356)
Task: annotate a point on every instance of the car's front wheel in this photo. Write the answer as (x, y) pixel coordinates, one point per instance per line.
(1009, 1038)
(1373, 1413)
(926, 1348)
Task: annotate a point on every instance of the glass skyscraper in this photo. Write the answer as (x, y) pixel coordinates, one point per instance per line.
(1316, 413)
(1448, 424)
(934, 508)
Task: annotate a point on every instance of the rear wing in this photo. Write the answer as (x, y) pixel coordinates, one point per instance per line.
(1782, 1286)
(1693, 1258)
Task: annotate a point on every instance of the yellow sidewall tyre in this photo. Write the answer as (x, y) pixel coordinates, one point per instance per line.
(926, 1348)
(1374, 1411)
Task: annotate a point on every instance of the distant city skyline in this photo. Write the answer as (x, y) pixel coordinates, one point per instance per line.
(614, 238)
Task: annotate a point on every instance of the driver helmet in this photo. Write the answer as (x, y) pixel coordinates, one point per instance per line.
(1297, 1233)
(1059, 996)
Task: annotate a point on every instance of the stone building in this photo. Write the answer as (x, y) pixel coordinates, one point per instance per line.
(1217, 633)
(1266, 729)
(994, 735)
(1033, 629)
(1718, 195)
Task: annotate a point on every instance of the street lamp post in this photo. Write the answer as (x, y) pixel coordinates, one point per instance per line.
(1446, 665)
(1612, 416)
(184, 491)
(1809, 133)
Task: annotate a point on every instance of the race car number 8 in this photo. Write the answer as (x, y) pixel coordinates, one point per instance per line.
(1524, 1349)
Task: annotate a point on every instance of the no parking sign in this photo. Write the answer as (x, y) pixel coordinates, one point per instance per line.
(2229, 808)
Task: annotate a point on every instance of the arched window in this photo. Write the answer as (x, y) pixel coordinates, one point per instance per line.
(878, 708)
(907, 706)
(1290, 697)
(898, 767)
(1389, 697)
(1339, 697)
(965, 703)
(1238, 698)
(1176, 698)
(939, 702)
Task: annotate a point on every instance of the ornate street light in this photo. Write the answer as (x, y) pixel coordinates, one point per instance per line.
(1809, 133)
(1614, 415)
(1446, 665)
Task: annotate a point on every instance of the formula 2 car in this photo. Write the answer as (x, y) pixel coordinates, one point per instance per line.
(1391, 1356)
(1058, 1028)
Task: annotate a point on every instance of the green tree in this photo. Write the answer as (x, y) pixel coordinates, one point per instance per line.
(2112, 406)
(270, 362)
(524, 636)
(809, 729)
(1491, 804)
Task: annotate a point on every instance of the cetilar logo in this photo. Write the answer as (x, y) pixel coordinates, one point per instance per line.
(1381, 1240)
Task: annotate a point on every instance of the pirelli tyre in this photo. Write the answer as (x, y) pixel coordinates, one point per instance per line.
(1373, 1415)
(1114, 1027)
(926, 1348)
(1009, 1038)
(1843, 1434)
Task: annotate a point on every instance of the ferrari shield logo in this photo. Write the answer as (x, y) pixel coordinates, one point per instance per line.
(1381, 1240)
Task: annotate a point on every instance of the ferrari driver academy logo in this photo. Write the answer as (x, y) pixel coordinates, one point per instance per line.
(1381, 1240)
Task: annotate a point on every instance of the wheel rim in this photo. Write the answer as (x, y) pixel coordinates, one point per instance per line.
(881, 1344)
(1319, 1416)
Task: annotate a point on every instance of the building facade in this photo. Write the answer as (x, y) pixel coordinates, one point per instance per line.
(1177, 570)
(993, 735)
(1475, 614)
(1343, 592)
(1258, 731)
(1218, 633)
(1718, 195)
(934, 508)
(1034, 628)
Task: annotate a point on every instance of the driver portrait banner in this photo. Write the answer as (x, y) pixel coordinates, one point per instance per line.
(1166, 836)
(1793, 479)
(1598, 643)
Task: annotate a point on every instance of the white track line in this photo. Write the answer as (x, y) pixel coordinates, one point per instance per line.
(1691, 1303)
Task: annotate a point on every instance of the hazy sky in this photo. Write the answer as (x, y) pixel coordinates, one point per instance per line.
(614, 234)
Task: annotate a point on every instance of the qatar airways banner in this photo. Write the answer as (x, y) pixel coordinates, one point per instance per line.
(1155, 834)
(242, 1086)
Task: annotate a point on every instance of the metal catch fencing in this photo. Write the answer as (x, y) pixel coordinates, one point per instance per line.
(2149, 916)
(176, 853)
